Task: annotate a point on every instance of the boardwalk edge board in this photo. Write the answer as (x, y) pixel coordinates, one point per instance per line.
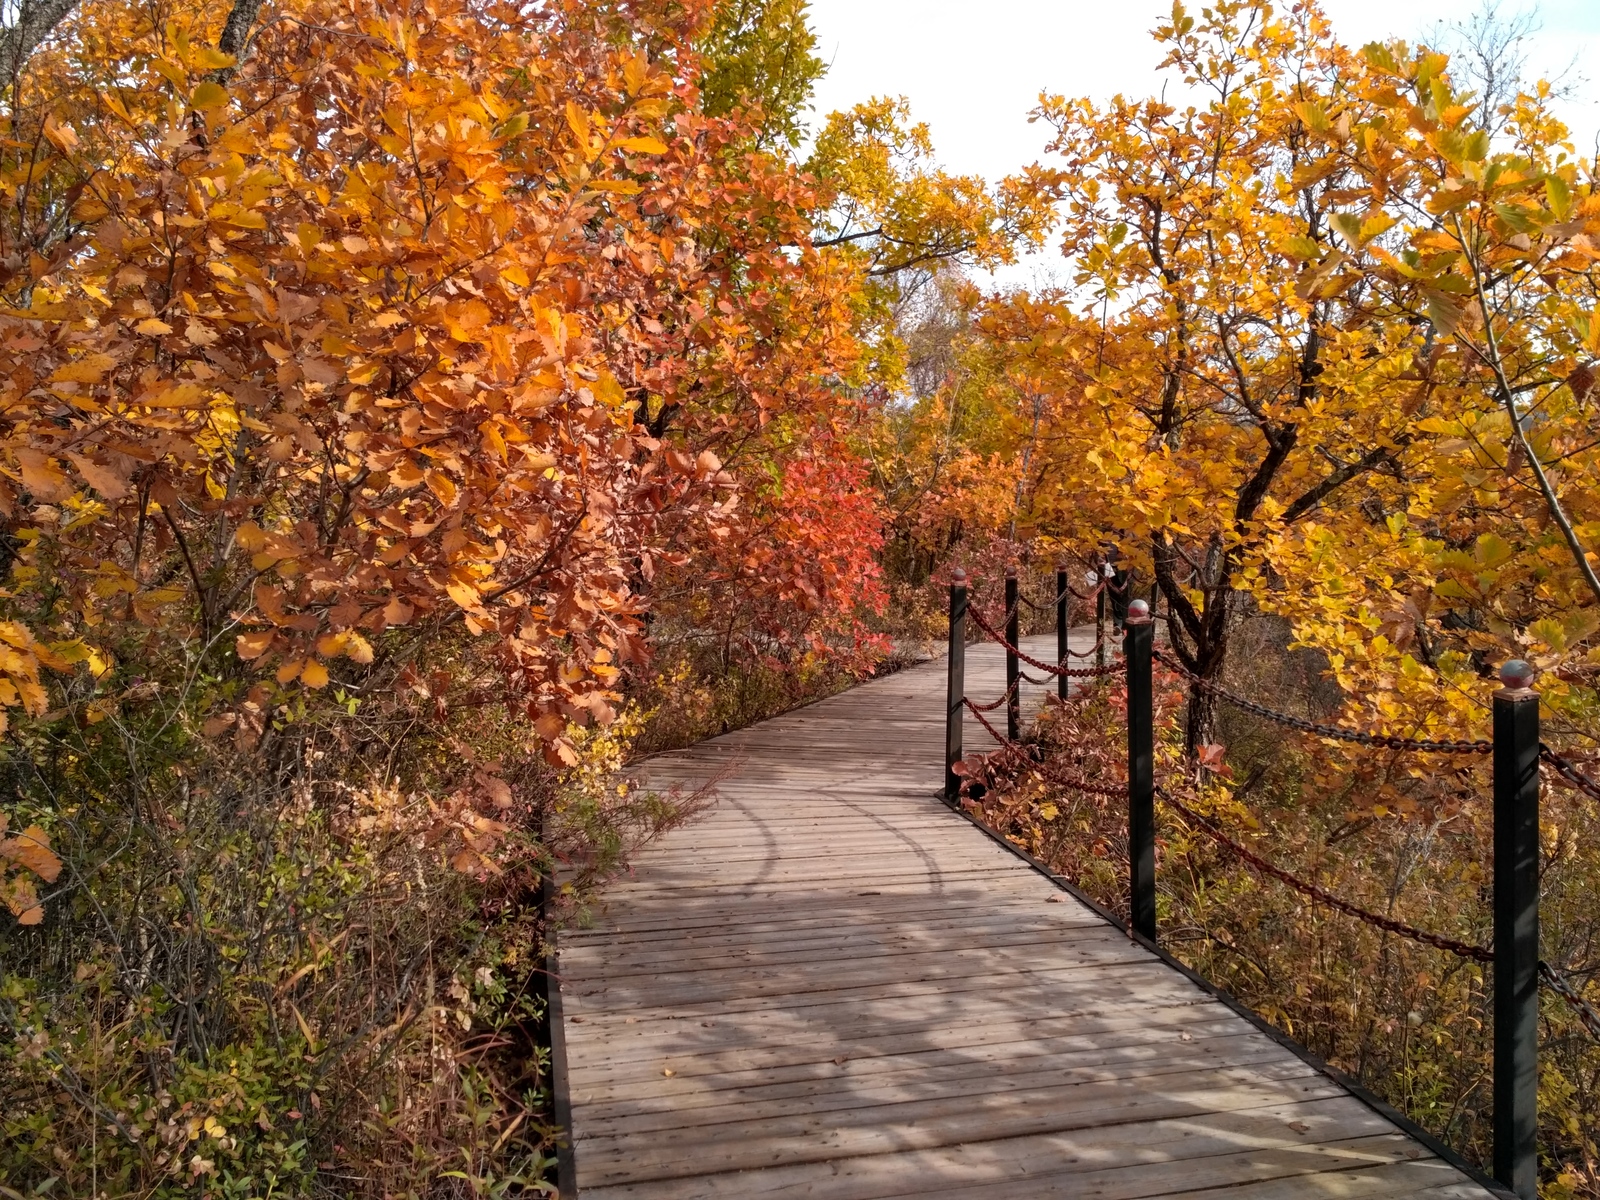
(560, 1082)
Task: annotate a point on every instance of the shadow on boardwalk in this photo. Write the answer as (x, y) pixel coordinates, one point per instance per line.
(831, 986)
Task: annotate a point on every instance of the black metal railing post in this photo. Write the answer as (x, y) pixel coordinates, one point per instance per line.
(956, 689)
(1138, 636)
(1013, 684)
(1516, 931)
(1063, 625)
(1100, 617)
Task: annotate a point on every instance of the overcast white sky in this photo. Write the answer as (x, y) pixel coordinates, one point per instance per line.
(973, 70)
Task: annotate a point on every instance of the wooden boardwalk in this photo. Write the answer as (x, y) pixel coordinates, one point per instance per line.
(830, 985)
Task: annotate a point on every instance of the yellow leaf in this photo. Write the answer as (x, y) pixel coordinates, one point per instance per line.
(251, 537)
(305, 1030)
(443, 487)
(643, 145)
(178, 395)
(578, 122)
(151, 327)
(314, 675)
(15, 633)
(463, 594)
(357, 648)
(91, 368)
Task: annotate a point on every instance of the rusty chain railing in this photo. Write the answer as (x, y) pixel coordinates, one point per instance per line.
(1321, 895)
(1516, 754)
(1336, 732)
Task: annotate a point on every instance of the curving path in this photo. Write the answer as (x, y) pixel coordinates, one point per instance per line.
(830, 985)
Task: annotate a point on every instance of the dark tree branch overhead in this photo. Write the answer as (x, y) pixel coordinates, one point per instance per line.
(1309, 500)
(847, 237)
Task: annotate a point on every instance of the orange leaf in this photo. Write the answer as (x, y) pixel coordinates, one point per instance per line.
(251, 646)
(31, 849)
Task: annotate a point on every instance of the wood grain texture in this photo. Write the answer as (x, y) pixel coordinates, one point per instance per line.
(830, 986)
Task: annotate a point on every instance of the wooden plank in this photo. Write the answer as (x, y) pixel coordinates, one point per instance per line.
(1428, 1179)
(667, 1109)
(733, 1056)
(940, 1122)
(846, 957)
(1122, 1163)
(725, 1066)
(1039, 993)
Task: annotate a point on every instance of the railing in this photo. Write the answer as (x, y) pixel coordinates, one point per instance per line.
(1516, 755)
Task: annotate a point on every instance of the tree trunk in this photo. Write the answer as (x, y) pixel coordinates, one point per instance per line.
(1198, 637)
(1199, 721)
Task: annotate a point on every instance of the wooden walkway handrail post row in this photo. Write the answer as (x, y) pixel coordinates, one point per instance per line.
(1516, 755)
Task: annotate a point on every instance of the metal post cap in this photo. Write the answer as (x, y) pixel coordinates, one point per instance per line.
(1138, 610)
(1011, 572)
(1517, 673)
(958, 576)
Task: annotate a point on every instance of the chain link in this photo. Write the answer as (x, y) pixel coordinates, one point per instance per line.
(1336, 732)
(984, 721)
(1081, 784)
(1557, 983)
(1048, 606)
(1568, 770)
(1044, 768)
(992, 705)
(977, 614)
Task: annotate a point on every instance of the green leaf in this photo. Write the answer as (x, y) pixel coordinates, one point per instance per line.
(1523, 220)
(1559, 196)
(1443, 312)
(1493, 550)
(1348, 226)
(208, 95)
